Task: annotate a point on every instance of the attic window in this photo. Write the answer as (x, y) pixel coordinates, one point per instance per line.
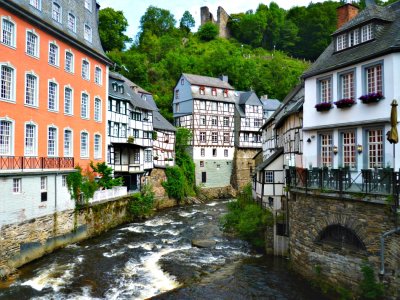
(202, 90)
(176, 94)
(366, 33)
(182, 81)
(214, 92)
(144, 97)
(354, 37)
(341, 42)
(115, 86)
(225, 93)
(121, 89)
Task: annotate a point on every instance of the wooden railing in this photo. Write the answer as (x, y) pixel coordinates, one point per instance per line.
(33, 163)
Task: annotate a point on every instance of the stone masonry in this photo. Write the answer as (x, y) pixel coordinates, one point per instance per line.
(243, 166)
(221, 22)
(311, 213)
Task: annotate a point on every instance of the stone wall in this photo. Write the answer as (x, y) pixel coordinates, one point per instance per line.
(368, 220)
(226, 192)
(221, 22)
(243, 166)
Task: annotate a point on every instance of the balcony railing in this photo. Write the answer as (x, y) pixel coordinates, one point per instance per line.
(33, 163)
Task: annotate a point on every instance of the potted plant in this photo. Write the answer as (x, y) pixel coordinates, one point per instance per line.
(323, 106)
(371, 97)
(155, 157)
(343, 103)
(130, 139)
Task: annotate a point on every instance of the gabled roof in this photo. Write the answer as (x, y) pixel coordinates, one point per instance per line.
(249, 98)
(386, 40)
(271, 104)
(278, 152)
(207, 81)
(159, 122)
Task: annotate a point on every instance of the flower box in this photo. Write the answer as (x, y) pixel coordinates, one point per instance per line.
(343, 103)
(371, 98)
(323, 106)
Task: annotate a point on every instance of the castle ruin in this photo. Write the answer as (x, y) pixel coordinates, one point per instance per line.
(221, 22)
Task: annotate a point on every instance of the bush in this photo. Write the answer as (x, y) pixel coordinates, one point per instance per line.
(142, 204)
(369, 287)
(175, 184)
(208, 31)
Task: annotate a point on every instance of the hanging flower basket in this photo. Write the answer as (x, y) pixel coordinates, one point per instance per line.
(371, 98)
(343, 103)
(323, 106)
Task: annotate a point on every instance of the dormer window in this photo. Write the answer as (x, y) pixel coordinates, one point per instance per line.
(354, 37)
(366, 33)
(115, 86)
(214, 92)
(176, 94)
(341, 42)
(226, 93)
(202, 90)
(182, 81)
(121, 89)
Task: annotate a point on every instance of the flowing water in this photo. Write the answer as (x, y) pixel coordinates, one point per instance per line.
(154, 258)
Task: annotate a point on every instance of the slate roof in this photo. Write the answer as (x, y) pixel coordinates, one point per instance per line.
(387, 40)
(207, 81)
(278, 152)
(271, 104)
(159, 122)
(246, 98)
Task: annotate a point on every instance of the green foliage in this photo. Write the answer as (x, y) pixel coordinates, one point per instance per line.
(175, 185)
(112, 25)
(154, 135)
(247, 219)
(156, 21)
(142, 204)
(81, 185)
(106, 180)
(187, 22)
(369, 287)
(208, 32)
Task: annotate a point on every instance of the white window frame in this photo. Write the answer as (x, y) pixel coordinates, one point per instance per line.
(56, 15)
(97, 152)
(98, 110)
(71, 112)
(325, 90)
(148, 155)
(347, 85)
(43, 183)
(326, 146)
(88, 5)
(202, 137)
(55, 154)
(36, 4)
(366, 33)
(64, 181)
(17, 185)
(73, 28)
(348, 151)
(10, 149)
(34, 138)
(341, 42)
(57, 55)
(88, 33)
(72, 68)
(226, 137)
(13, 38)
(269, 176)
(354, 37)
(36, 51)
(375, 148)
(87, 115)
(87, 153)
(12, 83)
(87, 77)
(374, 81)
(57, 95)
(202, 152)
(214, 137)
(70, 150)
(35, 92)
(98, 75)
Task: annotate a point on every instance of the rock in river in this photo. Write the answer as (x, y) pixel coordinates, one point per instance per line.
(203, 243)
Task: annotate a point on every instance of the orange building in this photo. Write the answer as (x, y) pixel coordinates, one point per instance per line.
(53, 94)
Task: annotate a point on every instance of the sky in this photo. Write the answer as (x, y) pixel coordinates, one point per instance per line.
(135, 9)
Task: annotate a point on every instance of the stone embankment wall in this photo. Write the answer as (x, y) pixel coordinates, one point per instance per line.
(340, 265)
(156, 178)
(243, 166)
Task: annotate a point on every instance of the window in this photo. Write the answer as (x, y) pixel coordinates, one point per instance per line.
(88, 4)
(97, 109)
(64, 180)
(202, 120)
(135, 133)
(5, 137)
(202, 164)
(202, 137)
(69, 62)
(30, 140)
(8, 32)
(85, 69)
(97, 146)
(36, 4)
(256, 138)
(98, 76)
(366, 33)
(214, 106)
(17, 185)
(225, 95)
(43, 184)
(203, 177)
(182, 81)
(202, 152)
(84, 144)
(203, 105)
(123, 130)
(247, 122)
(53, 96)
(226, 137)
(71, 22)
(349, 149)
(214, 137)
(214, 152)
(56, 12)
(202, 90)
(226, 107)
(214, 91)
(122, 108)
(375, 148)
(226, 152)
(88, 33)
(354, 37)
(269, 176)
(176, 94)
(68, 101)
(32, 44)
(52, 141)
(148, 157)
(346, 87)
(341, 42)
(177, 108)
(214, 121)
(257, 123)
(226, 121)
(7, 83)
(68, 143)
(31, 90)
(373, 79)
(326, 150)
(84, 106)
(53, 54)
(325, 90)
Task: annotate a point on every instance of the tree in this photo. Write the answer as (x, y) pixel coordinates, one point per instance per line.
(208, 31)
(106, 180)
(112, 25)
(186, 22)
(156, 21)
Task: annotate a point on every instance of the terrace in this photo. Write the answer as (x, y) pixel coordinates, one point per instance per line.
(25, 163)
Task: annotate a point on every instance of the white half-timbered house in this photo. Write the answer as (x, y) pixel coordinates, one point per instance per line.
(129, 131)
(206, 106)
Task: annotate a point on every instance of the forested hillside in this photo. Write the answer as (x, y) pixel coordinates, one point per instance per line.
(258, 57)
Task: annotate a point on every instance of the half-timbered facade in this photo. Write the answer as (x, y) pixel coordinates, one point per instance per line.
(129, 131)
(206, 106)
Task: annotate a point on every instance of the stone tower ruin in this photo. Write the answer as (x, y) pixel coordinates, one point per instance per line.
(221, 22)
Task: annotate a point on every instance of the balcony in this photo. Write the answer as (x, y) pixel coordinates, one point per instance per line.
(24, 163)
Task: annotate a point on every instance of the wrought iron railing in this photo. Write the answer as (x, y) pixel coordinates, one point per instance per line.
(25, 163)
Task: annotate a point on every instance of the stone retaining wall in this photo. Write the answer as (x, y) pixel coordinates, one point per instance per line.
(311, 214)
(243, 166)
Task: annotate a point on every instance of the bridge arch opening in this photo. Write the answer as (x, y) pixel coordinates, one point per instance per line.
(340, 236)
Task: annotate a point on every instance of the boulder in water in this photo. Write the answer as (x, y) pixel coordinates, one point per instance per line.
(203, 243)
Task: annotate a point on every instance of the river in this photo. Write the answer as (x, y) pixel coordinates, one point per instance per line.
(154, 258)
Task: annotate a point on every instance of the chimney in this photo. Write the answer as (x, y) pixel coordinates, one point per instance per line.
(224, 78)
(345, 13)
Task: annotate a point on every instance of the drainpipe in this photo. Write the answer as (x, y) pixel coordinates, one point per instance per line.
(383, 236)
